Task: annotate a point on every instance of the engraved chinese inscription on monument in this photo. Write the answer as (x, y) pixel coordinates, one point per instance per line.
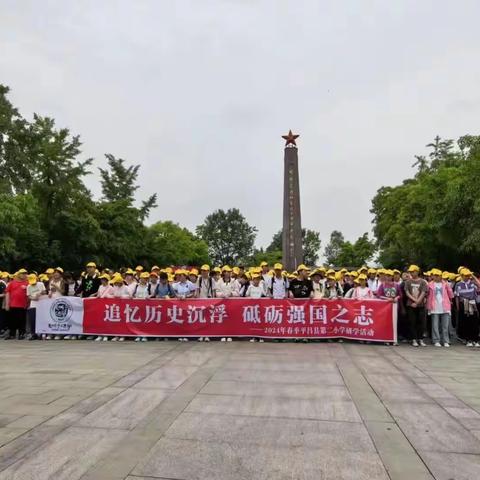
(292, 224)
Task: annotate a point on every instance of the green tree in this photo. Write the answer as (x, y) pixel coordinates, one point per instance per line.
(170, 244)
(124, 239)
(269, 256)
(310, 243)
(229, 237)
(433, 217)
(21, 236)
(340, 252)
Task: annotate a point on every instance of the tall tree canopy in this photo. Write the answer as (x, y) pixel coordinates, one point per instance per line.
(342, 253)
(310, 243)
(229, 236)
(433, 218)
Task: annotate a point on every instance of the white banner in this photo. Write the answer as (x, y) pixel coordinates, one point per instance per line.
(63, 315)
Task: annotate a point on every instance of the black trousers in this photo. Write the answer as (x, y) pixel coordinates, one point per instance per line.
(417, 322)
(468, 324)
(31, 316)
(17, 318)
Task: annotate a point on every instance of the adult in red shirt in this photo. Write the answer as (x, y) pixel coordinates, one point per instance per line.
(16, 303)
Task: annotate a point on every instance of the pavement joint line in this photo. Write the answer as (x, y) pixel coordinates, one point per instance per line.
(396, 423)
(65, 427)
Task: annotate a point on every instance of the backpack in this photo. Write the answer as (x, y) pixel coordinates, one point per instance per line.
(274, 279)
(210, 285)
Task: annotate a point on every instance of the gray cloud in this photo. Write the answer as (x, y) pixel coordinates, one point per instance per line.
(199, 93)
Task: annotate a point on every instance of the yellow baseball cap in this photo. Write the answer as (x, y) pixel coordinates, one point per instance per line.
(435, 271)
(139, 268)
(205, 268)
(301, 267)
(413, 268)
(278, 266)
(264, 264)
(226, 268)
(89, 264)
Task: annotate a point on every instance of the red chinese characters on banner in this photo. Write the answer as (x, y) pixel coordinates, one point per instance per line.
(373, 320)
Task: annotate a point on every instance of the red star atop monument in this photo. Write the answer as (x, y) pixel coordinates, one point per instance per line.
(290, 138)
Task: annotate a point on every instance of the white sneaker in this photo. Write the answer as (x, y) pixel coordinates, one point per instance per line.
(414, 343)
(144, 339)
(476, 344)
(223, 339)
(252, 340)
(206, 339)
(185, 339)
(115, 339)
(57, 337)
(73, 337)
(138, 339)
(66, 337)
(446, 345)
(261, 340)
(200, 339)
(437, 344)
(180, 339)
(229, 339)
(422, 343)
(98, 339)
(105, 339)
(121, 339)
(469, 344)
(48, 337)
(44, 336)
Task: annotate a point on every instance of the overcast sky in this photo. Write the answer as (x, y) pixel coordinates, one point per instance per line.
(199, 93)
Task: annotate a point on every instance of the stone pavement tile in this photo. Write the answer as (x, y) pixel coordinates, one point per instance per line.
(343, 411)
(37, 399)
(125, 410)
(28, 421)
(68, 456)
(19, 408)
(399, 458)
(281, 432)
(26, 444)
(452, 466)
(277, 390)
(6, 419)
(365, 399)
(221, 461)
(376, 364)
(429, 427)
(64, 419)
(263, 376)
(281, 365)
(167, 377)
(95, 401)
(7, 434)
(396, 388)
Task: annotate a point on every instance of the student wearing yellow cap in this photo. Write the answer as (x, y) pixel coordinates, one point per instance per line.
(16, 303)
(279, 284)
(466, 292)
(301, 287)
(416, 290)
(205, 287)
(90, 281)
(439, 306)
(35, 291)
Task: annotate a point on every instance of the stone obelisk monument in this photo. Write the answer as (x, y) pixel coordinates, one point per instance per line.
(292, 223)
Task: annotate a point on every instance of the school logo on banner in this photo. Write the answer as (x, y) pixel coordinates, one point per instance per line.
(62, 315)
(61, 311)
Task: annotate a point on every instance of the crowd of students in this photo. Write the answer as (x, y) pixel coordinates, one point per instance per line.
(431, 304)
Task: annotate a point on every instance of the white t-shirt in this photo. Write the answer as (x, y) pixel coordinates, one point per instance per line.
(438, 300)
(255, 292)
(205, 287)
(362, 293)
(183, 289)
(121, 291)
(317, 290)
(279, 287)
(104, 291)
(141, 291)
(34, 292)
(225, 289)
(131, 288)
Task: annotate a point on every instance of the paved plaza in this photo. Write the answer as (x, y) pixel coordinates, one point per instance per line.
(169, 410)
